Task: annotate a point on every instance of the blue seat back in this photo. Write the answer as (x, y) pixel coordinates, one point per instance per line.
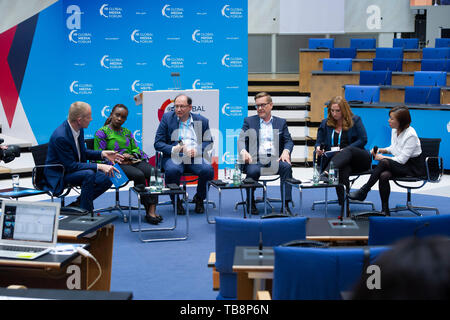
(318, 273)
(430, 78)
(436, 53)
(442, 42)
(388, 230)
(387, 64)
(412, 43)
(343, 53)
(422, 95)
(366, 43)
(320, 43)
(389, 53)
(362, 93)
(435, 65)
(337, 64)
(378, 77)
(232, 232)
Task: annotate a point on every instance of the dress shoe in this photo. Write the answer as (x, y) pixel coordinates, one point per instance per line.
(360, 195)
(160, 218)
(152, 220)
(76, 203)
(180, 207)
(199, 206)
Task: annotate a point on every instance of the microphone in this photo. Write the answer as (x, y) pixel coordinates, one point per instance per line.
(375, 150)
(322, 146)
(260, 245)
(428, 95)
(417, 229)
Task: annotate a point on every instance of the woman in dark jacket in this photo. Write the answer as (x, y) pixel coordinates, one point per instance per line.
(341, 139)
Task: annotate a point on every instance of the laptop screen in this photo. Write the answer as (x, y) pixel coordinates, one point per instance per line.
(29, 221)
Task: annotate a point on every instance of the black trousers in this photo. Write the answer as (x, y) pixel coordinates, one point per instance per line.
(140, 173)
(349, 160)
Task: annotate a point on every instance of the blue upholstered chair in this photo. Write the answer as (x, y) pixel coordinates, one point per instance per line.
(422, 95)
(430, 78)
(366, 43)
(337, 64)
(320, 43)
(435, 65)
(387, 230)
(388, 64)
(436, 53)
(442, 43)
(343, 53)
(412, 43)
(232, 232)
(375, 78)
(319, 273)
(389, 53)
(367, 94)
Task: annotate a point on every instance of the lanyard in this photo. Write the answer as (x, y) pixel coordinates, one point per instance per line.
(183, 129)
(339, 139)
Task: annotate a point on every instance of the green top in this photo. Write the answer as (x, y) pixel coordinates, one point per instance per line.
(121, 141)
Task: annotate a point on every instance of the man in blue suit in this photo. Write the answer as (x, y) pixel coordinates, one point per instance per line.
(185, 142)
(265, 146)
(68, 148)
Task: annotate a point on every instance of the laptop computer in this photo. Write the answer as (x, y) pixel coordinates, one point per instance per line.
(28, 229)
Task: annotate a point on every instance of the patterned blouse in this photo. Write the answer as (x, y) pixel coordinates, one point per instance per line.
(121, 141)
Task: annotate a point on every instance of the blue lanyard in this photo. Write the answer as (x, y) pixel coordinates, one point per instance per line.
(339, 139)
(182, 129)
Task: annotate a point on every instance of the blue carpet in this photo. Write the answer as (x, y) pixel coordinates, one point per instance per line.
(178, 269)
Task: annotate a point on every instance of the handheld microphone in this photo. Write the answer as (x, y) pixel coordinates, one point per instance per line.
(322, 146)
(426, 224)
(260, 245)
(375, 150)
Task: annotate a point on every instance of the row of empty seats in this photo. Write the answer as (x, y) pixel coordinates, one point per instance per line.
(345, 64)
(371, 43)
(391, 53)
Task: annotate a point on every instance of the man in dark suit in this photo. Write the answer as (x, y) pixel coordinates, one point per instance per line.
(68, 148)
(265, 146)
(185, 141)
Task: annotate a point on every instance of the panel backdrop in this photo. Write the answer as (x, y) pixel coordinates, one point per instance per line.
(105, 53)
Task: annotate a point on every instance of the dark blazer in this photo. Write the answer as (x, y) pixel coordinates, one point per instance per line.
(357, 136)
(282, 139)
(62, 150)
(170, 122)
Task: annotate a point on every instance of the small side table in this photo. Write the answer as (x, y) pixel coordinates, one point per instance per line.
(229, 186)
(140, 230)
(310, 185)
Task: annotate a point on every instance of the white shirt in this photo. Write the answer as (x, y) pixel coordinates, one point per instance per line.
(75, 134)
(266, 137)
(404, 146)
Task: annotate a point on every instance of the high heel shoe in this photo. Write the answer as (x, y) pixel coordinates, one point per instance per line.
(160, 218)
(152, 220)
(360, 195)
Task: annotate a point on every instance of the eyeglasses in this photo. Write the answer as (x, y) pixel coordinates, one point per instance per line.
(262, 105)
(180, 106)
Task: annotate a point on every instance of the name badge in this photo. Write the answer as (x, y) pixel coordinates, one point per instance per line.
(335, 148)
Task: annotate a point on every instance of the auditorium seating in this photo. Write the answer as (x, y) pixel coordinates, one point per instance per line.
(319, 273)
(232, 232)
(390, 64)
(389, 53)
(436, 53)
(388, 230)
(412, 43)
(442, 43)
(365, 94)
(430, 78)
(320, 43)
(435, 65)
(375, 77)
(422, 95)
(366, 43)
(343, 53)
(335, 64)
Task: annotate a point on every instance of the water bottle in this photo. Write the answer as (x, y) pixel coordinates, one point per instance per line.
(237, 174)
(153, 180)
(331, 174)
(316, 175)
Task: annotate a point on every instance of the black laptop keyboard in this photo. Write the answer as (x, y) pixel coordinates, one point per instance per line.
(20, 249)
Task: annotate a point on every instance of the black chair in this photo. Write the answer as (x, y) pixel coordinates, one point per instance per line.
(117, 206)
(434, 170)
(39, 153)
